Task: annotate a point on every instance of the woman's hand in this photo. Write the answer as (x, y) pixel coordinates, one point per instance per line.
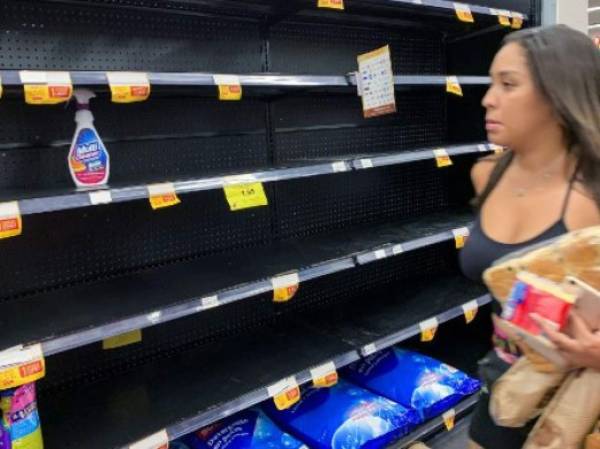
(581, 349)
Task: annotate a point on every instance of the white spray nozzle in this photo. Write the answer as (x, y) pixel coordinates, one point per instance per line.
(83, 96)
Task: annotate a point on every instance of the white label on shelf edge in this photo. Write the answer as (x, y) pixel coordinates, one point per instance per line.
(154, 317)
(246, 178)
(339, 166)
(482, 148)
(429, 324)
(18, 355)
(226, 80)
(100, 197)
(516, 15)
(322, 371)
(379, 254)
(460, 232)
(440, 152)
(285, 280)
(417, 2)
(127, 78)
(156, 441)
(397, 249)
(282, 386)
(471, 305)
(369, 349)
(10, 209)
(210, 302)
(164, 188)
(39, 77)
(366, 163)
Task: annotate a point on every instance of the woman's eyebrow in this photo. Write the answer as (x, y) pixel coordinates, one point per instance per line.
(505, 72)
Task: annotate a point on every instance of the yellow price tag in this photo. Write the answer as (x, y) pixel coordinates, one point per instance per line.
(11, 224)
(285, 287)
(128, 87)
(162, 195)
(517, 20)
(324, 376)
(331, 4)
(453, 86)
(470, 311)
(460, 237)
(126, 339)
(463, 12)
(46, 87)
(497, 149)
(230, 88)
(428, 329)
(442, 158)
(20, 366)
(449, 418)
(285, 393)
(242, 194)
(159, 440)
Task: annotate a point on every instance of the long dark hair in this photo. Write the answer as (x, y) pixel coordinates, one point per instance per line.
(565, 66)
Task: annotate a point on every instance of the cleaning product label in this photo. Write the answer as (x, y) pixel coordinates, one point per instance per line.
(413, 380)
(344, 417)
(331, 4)
(20, 419)
(46, 87)
(453, 86)
(250, 429)
(88, 158)
(128, 87)
(11, 224)
(19, 366)
(463, 12)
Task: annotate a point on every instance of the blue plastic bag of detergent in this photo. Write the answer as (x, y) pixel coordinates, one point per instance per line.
(250, 429)
(344, 417)
(20, 422)
(413, 380)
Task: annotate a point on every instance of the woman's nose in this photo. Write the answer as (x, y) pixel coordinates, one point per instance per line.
(489, 100)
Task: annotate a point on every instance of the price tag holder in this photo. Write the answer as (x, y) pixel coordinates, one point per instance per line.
(244, 192)
(126, 339)
(159, 440)
(229, 86)
(21, 365)
(285, 286)
(379, 254)
(449, 418)
(128, 87)
(11, 224)
(397, 249)
(365, 163)
(503, 16)
(463, 12)
(368, 350)
(482, 148)
(517, 20)
(162, 195)
(100, 197)
(377, 81)
(285, 393)
(497, 149)
(324, 376)
(210, 302)
(442, 158)
(46, 87)
(331, 4)
(453, 86)
(428, 329)
(470, 311)
(339, 166)
(460, 237)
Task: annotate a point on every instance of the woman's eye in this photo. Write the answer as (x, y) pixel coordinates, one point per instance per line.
(507, 85)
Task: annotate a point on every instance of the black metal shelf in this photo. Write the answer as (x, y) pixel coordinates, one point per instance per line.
(197, 387)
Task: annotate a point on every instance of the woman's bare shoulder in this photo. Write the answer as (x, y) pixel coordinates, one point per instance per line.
(481, 171)
(582, 210)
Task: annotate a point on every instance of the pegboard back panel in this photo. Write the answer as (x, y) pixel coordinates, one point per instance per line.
(46, 36)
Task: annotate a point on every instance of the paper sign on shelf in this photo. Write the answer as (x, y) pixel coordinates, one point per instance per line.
(442, 158)
(243, 192)
(397, 249)
(339, 166)
(517, 20)
(100, 197)
(324, 376)
(128, 87)
(11, 223)
(162, 195)
(159, 440)
(453, 86)
(470, 310)
(463, 12)
(230, 88)
(126, 339)
(331, 4)
(365, 163)
(369, 349)
(460, 237)
(377, 80)
(21, 365)
(285, 286)
(428, 329)
(449, 418)
(46, 87)
(285, 393)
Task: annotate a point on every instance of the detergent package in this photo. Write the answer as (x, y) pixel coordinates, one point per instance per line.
(344, 416)
(20, 426)
(250, 429)
(413, 380)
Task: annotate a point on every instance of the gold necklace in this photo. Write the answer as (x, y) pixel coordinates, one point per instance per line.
(546, 175)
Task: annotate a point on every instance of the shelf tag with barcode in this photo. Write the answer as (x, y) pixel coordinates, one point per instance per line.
(453, 86)
(460, 237)
(503, 16)
(442, 158)
(46, 87)
(470, 310)
(365, 163)
(126, 339)
(397, 249)
(369, 349)
(377, 81)
(285, 286)
(482, 148)
(324, 376)
(244, 192)
(21, 365)
(11, 223)
(100, 197)
(229, 86)
(128, 87)
(497, 149)
(162, 195)
(517, 20)
(339, 166)
(285, 393)
(159, 440)
(428, 329)
(331, 4)
(463, 12)
(449, 418)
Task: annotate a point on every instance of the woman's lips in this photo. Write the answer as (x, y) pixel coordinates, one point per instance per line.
(492, 125)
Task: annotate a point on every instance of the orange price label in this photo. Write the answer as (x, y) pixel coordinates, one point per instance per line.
(230, 88)
(331, 4)
(442, 158)
(285, 393)
(503, 16)
(21, 365)
(162, 195)
(324, 376)
(517, 20)
(285, 287)
(449, 418)
(460, 237)
(470, 311)
(46, 87)
(128, 87)
(453, 86)
(463, 12)
(497, 149)
(126, 339)
(11, 224)
(428, 329)
(159, 440)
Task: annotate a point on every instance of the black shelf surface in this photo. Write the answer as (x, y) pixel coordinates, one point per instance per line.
(197, 387)
(71, 317)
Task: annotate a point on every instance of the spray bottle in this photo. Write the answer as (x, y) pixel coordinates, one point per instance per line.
(89, 162)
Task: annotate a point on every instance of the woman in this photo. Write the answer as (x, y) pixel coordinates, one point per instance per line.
(543, 104)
